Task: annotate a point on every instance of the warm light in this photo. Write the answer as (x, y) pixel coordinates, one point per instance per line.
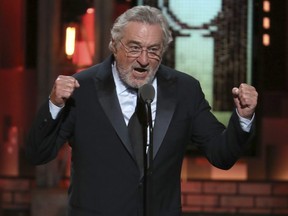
(266, 23)
(90, 10)
(266, 39)
(70, 41)
(266, 6)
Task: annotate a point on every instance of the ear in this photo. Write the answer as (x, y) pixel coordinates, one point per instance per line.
(113, 46)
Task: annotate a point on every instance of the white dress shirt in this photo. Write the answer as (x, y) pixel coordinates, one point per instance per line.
(128, 98)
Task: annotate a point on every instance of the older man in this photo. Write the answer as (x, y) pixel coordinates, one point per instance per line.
(92, 110)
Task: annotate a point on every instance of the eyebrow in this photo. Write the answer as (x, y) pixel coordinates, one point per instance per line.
(138, 43)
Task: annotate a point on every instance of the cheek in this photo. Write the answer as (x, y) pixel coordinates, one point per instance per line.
(154, 67)
(123, 61)
(124, 69)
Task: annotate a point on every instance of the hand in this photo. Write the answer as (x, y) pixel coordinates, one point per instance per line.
(245, 99)
(63, 88)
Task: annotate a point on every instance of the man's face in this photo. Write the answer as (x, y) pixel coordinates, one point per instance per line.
(138, 54)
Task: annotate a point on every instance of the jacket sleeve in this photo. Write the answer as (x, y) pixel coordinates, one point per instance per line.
(230, 145)
(222, 146)
(44, 138)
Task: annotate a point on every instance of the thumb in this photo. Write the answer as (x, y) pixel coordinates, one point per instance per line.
(235, 92)
(77, 85)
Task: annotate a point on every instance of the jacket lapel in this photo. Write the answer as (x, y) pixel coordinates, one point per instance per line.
(106, 91)
(166, 101)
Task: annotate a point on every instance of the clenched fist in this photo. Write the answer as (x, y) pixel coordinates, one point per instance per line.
(245, 99)
(63, 88)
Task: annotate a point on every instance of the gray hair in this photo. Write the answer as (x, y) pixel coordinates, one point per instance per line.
(142, 14)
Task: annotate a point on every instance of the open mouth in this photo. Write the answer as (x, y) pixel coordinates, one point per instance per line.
(140, 70)
(140, 73)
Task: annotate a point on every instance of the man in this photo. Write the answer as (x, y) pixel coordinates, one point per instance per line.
(92, 109)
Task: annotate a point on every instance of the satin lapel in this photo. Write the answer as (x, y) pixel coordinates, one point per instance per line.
(166, 101)
(109, 101)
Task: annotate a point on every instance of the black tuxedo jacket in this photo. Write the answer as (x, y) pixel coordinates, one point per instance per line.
(105, 179)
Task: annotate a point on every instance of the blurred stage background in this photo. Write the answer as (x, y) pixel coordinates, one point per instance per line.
(220, 42)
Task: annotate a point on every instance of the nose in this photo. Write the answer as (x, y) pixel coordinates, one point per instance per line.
(143, 58)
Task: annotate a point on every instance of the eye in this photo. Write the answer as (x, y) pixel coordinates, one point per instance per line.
(154, 49)
(134, 48)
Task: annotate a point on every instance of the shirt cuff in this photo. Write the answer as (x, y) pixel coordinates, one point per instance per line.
(54, 110)
(245, 123)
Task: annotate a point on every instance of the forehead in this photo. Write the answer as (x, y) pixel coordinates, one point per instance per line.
(143, 33)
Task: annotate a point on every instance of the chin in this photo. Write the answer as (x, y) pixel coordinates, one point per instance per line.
(136, 84)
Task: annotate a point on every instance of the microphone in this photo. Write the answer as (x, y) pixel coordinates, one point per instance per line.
(146, 93)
